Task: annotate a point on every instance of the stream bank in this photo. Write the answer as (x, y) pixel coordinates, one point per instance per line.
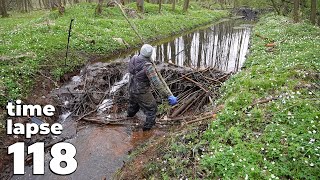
(269, 125)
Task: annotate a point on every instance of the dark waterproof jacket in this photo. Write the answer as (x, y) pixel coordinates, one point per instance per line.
(139, 82)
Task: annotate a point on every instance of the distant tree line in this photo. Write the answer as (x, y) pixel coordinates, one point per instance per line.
(297, 8)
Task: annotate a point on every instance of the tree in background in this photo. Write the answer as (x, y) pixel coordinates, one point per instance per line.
(140, 6)
(24, 5)
(296, 11)
(173, 5)
(99, 7)
(313, 11)
(3, 8)
(160, 3)
(186, 5)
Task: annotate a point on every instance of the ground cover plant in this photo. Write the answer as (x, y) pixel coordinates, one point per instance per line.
(269, 126)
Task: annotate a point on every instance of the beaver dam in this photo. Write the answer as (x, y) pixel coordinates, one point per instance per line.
(92, 106)
(99, 94)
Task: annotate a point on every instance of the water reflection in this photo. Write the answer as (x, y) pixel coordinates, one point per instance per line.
(223, 46)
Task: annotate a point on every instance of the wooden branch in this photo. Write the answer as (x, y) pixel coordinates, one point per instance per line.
(184, 105)
(264, 101)
(131, 24)
(200, 119)
(198, 84)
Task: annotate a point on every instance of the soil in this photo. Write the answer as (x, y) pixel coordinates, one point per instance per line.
(134, 169)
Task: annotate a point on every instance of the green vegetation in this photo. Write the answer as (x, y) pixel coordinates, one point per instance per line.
(31, 43)
(269, 127)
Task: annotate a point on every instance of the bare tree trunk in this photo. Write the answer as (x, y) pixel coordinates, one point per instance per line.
(186, 5)
(30, 5)
(99, 7)
(313, 11)
(3, 8)
(140, 5)
(296, 11)
(40, 4)
(24, 6)
(46, 4)
(173, 5)
(160, 3)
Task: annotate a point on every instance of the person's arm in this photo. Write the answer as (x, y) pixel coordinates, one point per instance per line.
(155, 80)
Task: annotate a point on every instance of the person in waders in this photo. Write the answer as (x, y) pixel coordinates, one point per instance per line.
(142, 75)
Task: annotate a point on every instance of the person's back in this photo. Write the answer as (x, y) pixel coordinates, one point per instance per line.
(139, 82)
(142, 75)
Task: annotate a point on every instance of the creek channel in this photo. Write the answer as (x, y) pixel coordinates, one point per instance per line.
(102, 150)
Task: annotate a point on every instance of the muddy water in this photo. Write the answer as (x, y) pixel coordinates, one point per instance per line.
(101, 150)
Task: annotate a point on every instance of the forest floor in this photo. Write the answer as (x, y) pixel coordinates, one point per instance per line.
(33, 45)
(269, 126)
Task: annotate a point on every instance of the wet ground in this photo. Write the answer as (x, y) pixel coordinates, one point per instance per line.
(101, 150)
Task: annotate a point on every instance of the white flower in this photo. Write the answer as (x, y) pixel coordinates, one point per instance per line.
(252, 169)
(311, 141)
(311, 164)
(246, 178)
(273, 176)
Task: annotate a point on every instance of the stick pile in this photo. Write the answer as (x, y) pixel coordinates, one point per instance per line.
(195, 89)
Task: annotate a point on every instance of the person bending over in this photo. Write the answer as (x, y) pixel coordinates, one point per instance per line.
(142, 75)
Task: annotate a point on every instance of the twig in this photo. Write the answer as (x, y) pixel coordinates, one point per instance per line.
(198, 84)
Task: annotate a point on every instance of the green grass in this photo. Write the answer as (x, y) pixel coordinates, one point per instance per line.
(40, 38)
(279, 139)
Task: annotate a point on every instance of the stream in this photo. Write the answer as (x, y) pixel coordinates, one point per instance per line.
(102, 150)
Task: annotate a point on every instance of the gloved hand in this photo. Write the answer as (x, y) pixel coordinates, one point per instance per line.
(172, 100)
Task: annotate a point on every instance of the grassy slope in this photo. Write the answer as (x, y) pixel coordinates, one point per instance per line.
(43, 38)
(277, 139)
